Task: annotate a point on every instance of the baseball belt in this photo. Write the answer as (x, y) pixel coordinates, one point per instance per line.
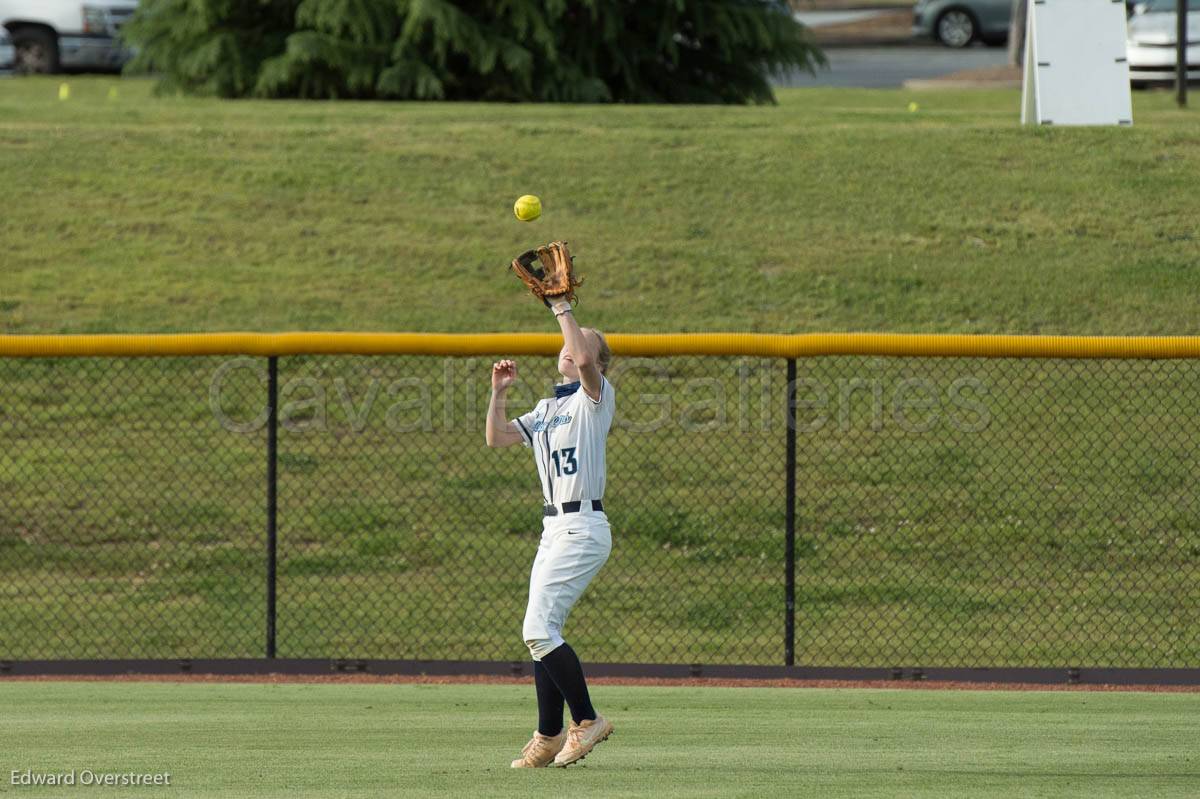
(569, 507)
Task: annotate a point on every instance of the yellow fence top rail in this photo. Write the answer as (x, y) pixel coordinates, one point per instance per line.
(628, 344)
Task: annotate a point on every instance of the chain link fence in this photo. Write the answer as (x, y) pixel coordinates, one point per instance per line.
(947, 511)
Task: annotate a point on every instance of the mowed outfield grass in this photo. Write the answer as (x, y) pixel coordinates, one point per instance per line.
(835, 210)
(346, 741)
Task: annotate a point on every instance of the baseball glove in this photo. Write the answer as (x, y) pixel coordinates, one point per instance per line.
(548, 272)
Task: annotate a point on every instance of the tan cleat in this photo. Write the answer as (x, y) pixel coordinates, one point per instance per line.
(540, 751)
(582, 738)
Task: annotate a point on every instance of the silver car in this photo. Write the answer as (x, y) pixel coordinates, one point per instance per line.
(957, 23)
(1151, 45)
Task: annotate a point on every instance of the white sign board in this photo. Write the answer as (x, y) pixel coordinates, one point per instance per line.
(1076, 72)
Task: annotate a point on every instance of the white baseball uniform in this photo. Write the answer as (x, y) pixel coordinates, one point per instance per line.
(568, 436)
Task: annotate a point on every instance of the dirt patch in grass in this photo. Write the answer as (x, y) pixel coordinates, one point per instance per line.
(891, 28)
(848, 5)
(1004, 73)
(1003, 77)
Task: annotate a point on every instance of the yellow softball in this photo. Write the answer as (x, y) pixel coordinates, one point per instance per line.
(527, 208)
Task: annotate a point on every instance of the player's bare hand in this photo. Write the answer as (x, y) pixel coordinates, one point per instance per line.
(504, 374)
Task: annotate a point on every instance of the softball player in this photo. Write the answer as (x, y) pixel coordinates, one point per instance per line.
(567, 433)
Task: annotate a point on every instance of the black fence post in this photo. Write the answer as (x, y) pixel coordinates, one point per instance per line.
(789, 621)
(272, 451)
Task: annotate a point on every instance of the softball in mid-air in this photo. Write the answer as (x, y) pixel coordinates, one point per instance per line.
(527, 208)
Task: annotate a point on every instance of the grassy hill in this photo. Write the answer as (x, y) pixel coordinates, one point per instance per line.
(836, 210)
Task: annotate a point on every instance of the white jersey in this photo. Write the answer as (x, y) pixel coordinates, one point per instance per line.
(568, 437)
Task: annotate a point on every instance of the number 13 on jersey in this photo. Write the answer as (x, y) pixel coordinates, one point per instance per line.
(564, 461)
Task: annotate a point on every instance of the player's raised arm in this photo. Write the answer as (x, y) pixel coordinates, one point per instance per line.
(584, 349)
(549, 273)
(500, 431)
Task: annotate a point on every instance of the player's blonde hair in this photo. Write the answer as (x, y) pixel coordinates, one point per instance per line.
(604, 355)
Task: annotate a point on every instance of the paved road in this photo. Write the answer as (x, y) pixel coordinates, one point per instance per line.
(884, 67)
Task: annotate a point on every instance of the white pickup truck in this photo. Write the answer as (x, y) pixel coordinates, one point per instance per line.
(53, 35)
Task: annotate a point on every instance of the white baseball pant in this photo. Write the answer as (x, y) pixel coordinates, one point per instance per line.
(573, 548)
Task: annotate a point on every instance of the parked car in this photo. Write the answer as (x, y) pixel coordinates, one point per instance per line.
(53, 35)
(6, 50)
(1152, 44)
(957, 23)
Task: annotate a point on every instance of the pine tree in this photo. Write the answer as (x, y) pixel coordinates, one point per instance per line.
(637, 51)
(208, 47)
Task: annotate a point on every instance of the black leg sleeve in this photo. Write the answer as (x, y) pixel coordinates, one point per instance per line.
(550, 701)
(565, 669)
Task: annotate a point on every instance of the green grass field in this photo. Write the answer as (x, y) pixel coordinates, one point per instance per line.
(131, 525)
(346, 741)
(310, 742)
(835, 210)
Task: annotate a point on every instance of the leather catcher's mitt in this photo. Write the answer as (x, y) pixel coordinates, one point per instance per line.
(548, 271)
